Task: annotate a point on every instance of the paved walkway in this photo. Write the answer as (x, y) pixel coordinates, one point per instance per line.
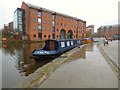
(111, 51)
(90, 72)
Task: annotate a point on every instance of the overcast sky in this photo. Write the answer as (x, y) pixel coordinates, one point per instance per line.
(94, 12)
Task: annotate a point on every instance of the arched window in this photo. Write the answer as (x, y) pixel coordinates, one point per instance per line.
(62, 34)
(44, 36)
(48, 36)
(34, 36)
(70, 34)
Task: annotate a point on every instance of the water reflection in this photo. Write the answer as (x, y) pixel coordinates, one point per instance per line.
(80, 52)
(20, 54)
(90, 47)
(17, 64)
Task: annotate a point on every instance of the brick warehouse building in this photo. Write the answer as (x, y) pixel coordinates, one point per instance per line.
(41, 24)
(109, 31)
(9, 27)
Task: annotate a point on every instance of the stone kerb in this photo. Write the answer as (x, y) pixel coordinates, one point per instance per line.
(110, 61)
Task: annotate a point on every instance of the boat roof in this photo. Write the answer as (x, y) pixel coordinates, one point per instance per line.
(60, 40)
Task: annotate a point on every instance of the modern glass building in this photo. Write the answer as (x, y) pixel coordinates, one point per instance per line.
(19, 21)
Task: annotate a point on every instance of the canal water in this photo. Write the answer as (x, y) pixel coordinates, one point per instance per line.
(17, 64)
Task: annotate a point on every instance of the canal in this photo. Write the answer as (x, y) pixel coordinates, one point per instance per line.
(17, 64)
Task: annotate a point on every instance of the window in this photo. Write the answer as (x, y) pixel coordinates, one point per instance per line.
(62, 44)
(39, 20)
(39, 13)
(49, 29)
(60, 18)
(68, 20)
(20, 13)
(64, 24)
(57, 23)
(45, 14)
(61, 24)
(44, 21)
(33, 11)
(68, 43)
(34, 36)
(72, 20)
(57, 30)
(20, 27)
(34, 27)
(53, 17)
(48, 36)
(44, 36)
(53, 23)
(20, 20)
(71, 42)
(48, 22)
(53, 29)
(39, 28)
(68, 25)
(40, 36)
(82, 24)
(56, 17)
(53, 36)
(44, 28)
(76, 31)
(34, 20)
(76, 24)
(49, 15)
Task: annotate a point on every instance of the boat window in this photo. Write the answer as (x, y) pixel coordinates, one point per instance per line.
(71, 42)
(68, 43)
(77, 41)
(62, 44)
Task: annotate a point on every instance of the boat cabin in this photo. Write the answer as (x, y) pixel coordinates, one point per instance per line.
(54, 47)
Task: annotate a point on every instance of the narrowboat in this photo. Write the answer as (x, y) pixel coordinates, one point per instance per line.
(55, 47)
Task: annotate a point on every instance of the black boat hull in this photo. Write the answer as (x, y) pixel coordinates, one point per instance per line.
(55, 48)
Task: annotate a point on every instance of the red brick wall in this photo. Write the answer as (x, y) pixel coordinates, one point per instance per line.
(80, 29)
(107, 31)
(33, 28)
(68, 23)
(65, 23)
(27, 17)
(46, 25)
(84, 28)
(11, 26)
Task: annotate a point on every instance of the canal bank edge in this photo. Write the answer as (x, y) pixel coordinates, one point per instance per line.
(109, 61)
(41, 74)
